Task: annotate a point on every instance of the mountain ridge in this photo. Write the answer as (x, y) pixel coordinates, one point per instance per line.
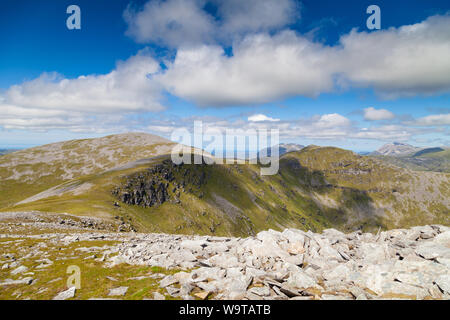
(315, 188)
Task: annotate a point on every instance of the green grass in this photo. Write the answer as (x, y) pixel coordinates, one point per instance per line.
(94, 283)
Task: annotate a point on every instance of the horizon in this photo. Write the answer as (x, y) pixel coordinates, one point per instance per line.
(224, 150)
(133, 66)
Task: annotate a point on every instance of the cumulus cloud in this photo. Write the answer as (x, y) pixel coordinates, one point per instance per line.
(406, 61)
(179, 23)
(127, 88)
(250, 16)
(261, 117)
(263, 68)
(326, 127)
(52, 101)
(174, 23)
(372, 114)
(433, 120)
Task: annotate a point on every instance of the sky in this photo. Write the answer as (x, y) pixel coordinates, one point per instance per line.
(311, 69)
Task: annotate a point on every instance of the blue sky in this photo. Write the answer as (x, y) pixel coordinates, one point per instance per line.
(310, 68)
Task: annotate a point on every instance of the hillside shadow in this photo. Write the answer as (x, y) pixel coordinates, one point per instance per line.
(355, 204)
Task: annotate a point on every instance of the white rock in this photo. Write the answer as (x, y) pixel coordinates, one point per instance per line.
(300, 280)
(67, 294)
(158, 296)
(443, 283)
(18, 270)
(119, 291)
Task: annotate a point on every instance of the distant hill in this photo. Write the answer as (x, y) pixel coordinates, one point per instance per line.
(285, 148)
(427, 150)
(424, 159)
(396, 149)
(131, 177)
(6, 151)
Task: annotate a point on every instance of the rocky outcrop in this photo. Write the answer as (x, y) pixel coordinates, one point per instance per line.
(405, 264)
(160, 183)
(396, 264)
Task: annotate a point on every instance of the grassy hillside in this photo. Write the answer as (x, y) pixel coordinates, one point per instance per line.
(315, 188)
(431, 159)
(27, 172)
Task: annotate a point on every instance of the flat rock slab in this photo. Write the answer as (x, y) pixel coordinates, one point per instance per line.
(119, 291)
(67, 294)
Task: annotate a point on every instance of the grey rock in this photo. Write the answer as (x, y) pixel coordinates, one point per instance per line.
(67, 294)
(167, 281)
(18, 270)
(443, 283)
(301, 280)
(260, 291)
(158, 296)
(119, 291)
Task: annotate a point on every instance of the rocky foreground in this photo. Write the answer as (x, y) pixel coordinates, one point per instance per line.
(397, 264)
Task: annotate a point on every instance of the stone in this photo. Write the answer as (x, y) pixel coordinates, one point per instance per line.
(260, 291)
(18, 270)
(443, 239)
(302, 298)
(334, 297)
(443, 282)
(167, 281)
(224, 261)
(289, 290)
(158, 296)
(194, 245)
(7, 282)
(119, 291)
(172, 291)
(67, 294)
(295, 248)
(300, 280)
(203, 295)
(431, 251)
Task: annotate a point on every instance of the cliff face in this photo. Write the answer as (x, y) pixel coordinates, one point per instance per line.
(159, 184)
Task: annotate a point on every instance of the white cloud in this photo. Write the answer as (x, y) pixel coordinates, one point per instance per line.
(179, 23)
(127, 88)
(373, 114)
(261, 117)
(173, 23)
(332, 120)
(249, 16)
(326, 127)
(51, 101)
(406, 61)
(263, 68)
(433, 120)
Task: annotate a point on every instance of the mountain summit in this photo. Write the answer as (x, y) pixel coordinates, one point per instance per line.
(396, 149)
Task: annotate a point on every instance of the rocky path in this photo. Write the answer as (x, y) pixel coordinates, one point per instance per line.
(292, 264)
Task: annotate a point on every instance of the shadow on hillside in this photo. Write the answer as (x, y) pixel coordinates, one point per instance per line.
(357, 205)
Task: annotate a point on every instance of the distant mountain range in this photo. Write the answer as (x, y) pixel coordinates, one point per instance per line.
(415, 158)
(284, 148)
(130, 177)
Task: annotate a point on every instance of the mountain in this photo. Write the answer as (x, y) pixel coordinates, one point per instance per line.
(131, 178)
(396, 149)
(284, 148)
(426, 159)
(27, 172)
